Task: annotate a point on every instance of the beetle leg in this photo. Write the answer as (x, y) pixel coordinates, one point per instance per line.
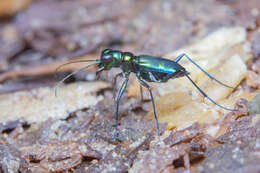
(122, 89)
(179, 57)
(205, 95)
(98, 72)
(167, 77)
(114, 83)
(144, 84)
(209, 75)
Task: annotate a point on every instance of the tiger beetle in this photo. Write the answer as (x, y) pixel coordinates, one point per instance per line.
(147, 69)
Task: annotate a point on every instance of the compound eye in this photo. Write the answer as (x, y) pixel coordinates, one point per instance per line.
(107, 58)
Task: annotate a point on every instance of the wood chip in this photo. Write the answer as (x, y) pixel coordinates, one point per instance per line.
(40, 104)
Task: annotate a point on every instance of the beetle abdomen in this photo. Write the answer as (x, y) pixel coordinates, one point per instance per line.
(154, 69)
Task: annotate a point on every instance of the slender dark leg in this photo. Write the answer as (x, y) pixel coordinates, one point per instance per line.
(122, 89)
(143, 83)
(205, 95)
(179, 57)
(209, 75)
(114, 83)
(141, 92)
(98, 72)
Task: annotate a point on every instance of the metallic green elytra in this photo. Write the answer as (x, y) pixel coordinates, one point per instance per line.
(147, 69)
(153, 69)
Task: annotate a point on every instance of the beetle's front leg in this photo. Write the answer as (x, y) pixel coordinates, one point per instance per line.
(122, 89)
(114, 83)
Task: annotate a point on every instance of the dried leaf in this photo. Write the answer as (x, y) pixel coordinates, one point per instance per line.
(158, 158)
(10, 158)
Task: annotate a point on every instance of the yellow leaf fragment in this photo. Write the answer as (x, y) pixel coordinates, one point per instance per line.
(189, 114)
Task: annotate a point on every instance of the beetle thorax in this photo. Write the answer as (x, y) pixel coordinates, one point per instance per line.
(127, 60)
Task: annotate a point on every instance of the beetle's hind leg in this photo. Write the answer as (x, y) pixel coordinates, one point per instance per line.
(205, 95)
(199, 67)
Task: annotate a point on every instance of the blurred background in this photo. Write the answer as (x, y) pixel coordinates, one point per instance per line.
(74, 131)
(38, 35)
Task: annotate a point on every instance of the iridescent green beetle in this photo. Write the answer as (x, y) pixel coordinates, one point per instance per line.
(147, 69)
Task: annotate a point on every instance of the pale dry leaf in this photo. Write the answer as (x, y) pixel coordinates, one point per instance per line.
(213, 43)
(40, 104)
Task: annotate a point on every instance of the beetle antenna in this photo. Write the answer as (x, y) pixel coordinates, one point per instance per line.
(73, 73)
(73, 62)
